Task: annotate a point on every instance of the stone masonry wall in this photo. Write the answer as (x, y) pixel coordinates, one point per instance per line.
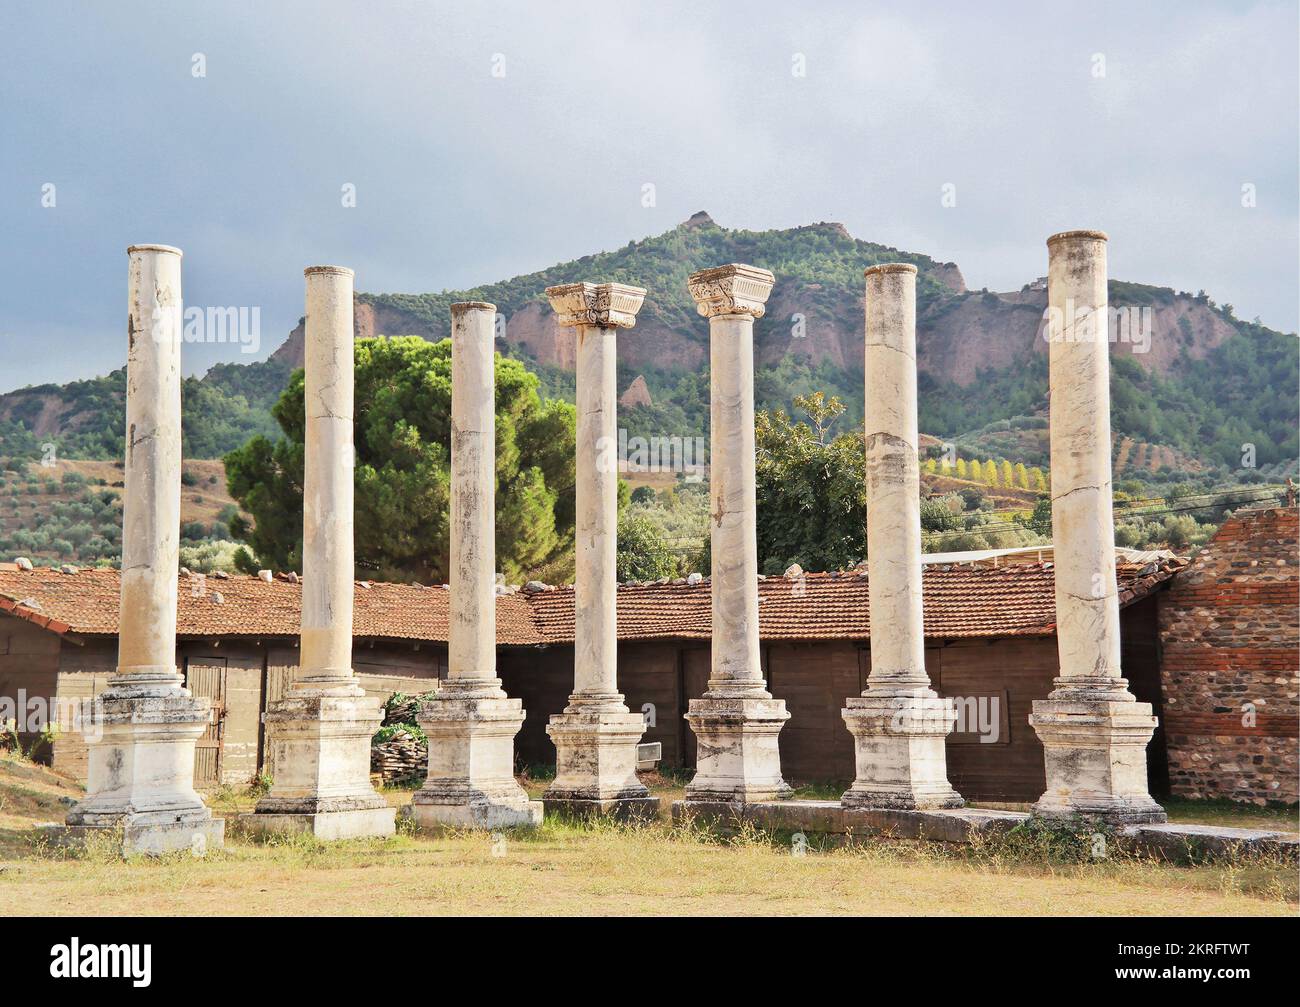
(1230, 639)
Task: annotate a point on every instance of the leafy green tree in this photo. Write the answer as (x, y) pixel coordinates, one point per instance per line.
(811, 489)
(643, 494)
(1040, 520)
(642, 552)
(402, 471)
(937, 516)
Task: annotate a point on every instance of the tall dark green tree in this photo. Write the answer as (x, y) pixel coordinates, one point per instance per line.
(402, 473)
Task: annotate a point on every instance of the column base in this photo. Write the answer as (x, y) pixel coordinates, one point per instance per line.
(737, 756)
(595, 755)
(899, 750)
(140, 773)
(1095, 756)
(356, 823)
(146, 838)
(321, 750)
(471, 727)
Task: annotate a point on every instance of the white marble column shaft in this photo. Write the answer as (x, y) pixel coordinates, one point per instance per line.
(327, 515)
(141, 735)
(733, 530)
(471, 723)
(1093, 731)
(736, 722)
(595, 584)
(899, 724)
(471, 651)
(893, 482)
(595, 736)
(319, 732)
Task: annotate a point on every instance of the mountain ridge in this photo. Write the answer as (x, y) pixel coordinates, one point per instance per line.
(981, 355)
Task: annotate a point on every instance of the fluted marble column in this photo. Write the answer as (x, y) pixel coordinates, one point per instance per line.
(736, 722)
(899, 724)
(471, 723)
(1094, 732)
(141, 741)
(320, 730)
(596, 736)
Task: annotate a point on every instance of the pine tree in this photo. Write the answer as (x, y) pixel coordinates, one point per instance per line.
(402, 471)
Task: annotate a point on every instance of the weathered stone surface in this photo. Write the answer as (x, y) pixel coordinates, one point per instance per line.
(319, 732)
(329, 824)
(1182, 843)
(1093, 731)
(1230, 663)
(736, 721)
(611, 305)
(830, 817)
(471, 723)
(144, 836)
(596, 737)
(1179, 843)
(737, 756)
(899, 724)
(141, 765)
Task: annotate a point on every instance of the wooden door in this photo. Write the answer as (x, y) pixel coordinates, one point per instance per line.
(206, 676)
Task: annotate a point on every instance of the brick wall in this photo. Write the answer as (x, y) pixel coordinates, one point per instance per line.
(1230, 637)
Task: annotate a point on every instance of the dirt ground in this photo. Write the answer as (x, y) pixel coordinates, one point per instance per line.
(571, 869)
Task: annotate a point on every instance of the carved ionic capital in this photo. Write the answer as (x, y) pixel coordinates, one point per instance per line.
(613, 305)
(735, 289)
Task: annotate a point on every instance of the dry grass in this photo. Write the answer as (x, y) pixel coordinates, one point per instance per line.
(569, 869)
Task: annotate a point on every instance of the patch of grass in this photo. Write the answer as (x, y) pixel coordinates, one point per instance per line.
(1232, 814)
(604, 867)
(821, 790)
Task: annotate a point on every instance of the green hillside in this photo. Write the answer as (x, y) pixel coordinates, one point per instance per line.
(1186, 415)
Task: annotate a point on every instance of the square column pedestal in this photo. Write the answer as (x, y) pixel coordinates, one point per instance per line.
(1095, 755)
(595, 764)
(141, 777)
(736, 753)
(471, 725)
(899, 750)
(321, 746)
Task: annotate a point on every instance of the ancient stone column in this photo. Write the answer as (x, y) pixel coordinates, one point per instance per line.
(737, 721)
(141, 740)
(899, 724)
(471, 723)
(320, 731)
(596, 737)
(1093, 731)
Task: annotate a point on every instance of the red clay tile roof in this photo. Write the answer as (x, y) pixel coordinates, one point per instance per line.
(960, 601)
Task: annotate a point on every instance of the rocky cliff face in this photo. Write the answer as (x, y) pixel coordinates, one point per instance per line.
(814, 316)
(958, 333)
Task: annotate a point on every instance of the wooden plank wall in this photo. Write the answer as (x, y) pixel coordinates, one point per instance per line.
(29, 667)
(83, 674)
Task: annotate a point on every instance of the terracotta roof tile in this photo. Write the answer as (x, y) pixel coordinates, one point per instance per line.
(960, 601)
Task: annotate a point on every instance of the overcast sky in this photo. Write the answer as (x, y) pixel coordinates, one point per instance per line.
(486, 140)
